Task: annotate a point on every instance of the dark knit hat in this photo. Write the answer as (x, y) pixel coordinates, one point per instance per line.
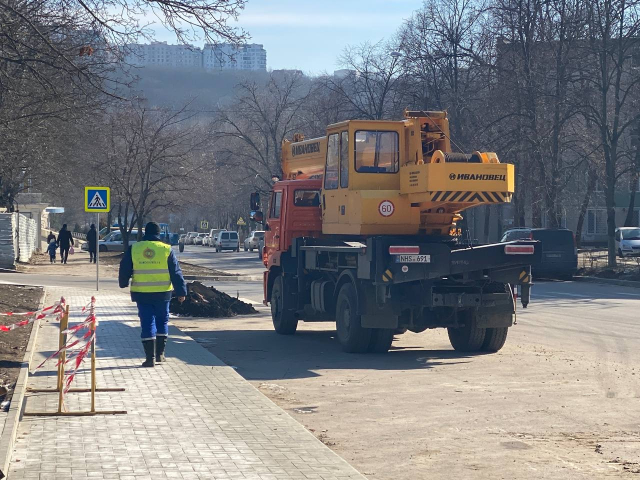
(152, 228)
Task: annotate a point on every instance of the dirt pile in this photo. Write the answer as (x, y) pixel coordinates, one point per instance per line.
(205, 301)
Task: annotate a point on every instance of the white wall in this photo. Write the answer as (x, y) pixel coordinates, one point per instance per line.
(16, 228)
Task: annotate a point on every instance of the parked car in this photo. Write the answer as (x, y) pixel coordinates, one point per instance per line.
(628, 241)
(198, 240)
(212, 236)
(559, 257)
(190, 238)
(227, 241)
(113, 242)
(252, 240)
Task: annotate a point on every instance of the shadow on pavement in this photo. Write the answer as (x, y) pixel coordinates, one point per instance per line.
(265, 355)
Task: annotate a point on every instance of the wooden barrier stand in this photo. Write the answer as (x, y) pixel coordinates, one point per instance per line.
(62, 341)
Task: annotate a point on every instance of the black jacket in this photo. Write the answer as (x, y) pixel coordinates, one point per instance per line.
(92, 238)
(65, 239)
(177, 280)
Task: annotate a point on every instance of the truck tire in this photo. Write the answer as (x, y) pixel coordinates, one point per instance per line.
(468, 338)
(381, 339)
(352, 336)
(284, 320)
(181, 247)
(494, 339)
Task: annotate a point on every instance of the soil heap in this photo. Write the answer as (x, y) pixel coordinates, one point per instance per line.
(205, 301)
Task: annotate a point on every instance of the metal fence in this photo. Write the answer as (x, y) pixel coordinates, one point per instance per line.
(598, 260)
(18, 238)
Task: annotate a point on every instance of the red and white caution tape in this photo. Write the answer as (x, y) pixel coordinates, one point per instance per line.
(55, 309)
(76, 356)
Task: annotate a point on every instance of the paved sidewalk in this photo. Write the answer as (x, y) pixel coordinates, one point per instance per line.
(190, 418)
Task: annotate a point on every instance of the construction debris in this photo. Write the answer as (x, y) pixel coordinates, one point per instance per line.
(208, 302)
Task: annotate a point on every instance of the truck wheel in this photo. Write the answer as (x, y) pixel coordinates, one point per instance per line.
(469, 338)
(381, 339)
(494, 339)
(352, 336)
(284, 320)
(181, 247)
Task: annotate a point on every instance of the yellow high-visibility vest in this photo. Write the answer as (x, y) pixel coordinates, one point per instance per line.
(150, 268)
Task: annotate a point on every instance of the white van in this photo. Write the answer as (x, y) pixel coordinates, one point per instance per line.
(228, 241)
(212, 236)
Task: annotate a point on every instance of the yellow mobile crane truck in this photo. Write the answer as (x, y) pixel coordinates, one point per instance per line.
(363, 230)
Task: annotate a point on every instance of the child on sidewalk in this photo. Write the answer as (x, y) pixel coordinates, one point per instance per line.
(52, 251)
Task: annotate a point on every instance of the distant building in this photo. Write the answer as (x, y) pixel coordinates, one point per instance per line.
(225, 56)
(345, 72)
(163, 55)
(287, 71)
(222, 56)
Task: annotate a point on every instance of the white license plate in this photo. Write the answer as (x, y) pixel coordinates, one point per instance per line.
(413, 258)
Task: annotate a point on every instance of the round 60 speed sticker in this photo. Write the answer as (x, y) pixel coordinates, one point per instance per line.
(386, 208)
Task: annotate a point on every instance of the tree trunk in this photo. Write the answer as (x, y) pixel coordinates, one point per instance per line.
(140, 226)
(591, 186)
(536, 208)
(631, 219)
(610, 202)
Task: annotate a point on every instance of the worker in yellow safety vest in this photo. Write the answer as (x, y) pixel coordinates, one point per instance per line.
(155, 275)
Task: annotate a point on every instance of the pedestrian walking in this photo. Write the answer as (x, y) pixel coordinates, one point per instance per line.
(65, 242)
(51, 248)
(153, 269)
(92, 240)
(50, 237)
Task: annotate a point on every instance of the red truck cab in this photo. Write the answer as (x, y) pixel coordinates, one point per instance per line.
(294, 211)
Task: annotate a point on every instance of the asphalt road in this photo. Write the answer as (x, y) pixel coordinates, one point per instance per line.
(245, 263)
(560, 401)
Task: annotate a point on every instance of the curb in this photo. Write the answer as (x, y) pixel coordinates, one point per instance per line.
(223, 278)
(608, 281)
(10, 431)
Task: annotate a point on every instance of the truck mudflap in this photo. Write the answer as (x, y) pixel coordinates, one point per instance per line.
(506, 262)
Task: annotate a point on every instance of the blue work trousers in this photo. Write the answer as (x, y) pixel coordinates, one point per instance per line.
(154, 319)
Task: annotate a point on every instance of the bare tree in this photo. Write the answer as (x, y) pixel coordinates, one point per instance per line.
(445, 52)
(611, 93)
(371, 81)
(150, 156)
(250, 130)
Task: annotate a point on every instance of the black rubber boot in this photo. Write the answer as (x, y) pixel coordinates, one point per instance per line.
(161, 343)
(149, 351)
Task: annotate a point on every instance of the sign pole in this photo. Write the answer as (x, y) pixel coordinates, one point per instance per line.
(97, 252)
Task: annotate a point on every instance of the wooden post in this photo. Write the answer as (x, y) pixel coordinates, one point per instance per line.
(93, 360)
(64, 324)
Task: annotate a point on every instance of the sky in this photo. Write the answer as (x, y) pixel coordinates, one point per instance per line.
(310, 35)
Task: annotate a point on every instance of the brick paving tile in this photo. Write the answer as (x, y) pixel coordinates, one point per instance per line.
(190, 418)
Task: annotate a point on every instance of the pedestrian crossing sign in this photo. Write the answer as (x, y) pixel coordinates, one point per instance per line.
(97, 199)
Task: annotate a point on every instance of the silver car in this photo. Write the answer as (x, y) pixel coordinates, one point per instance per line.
(252, 240)
(198, 240)
(113, 242)
(190, 238)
